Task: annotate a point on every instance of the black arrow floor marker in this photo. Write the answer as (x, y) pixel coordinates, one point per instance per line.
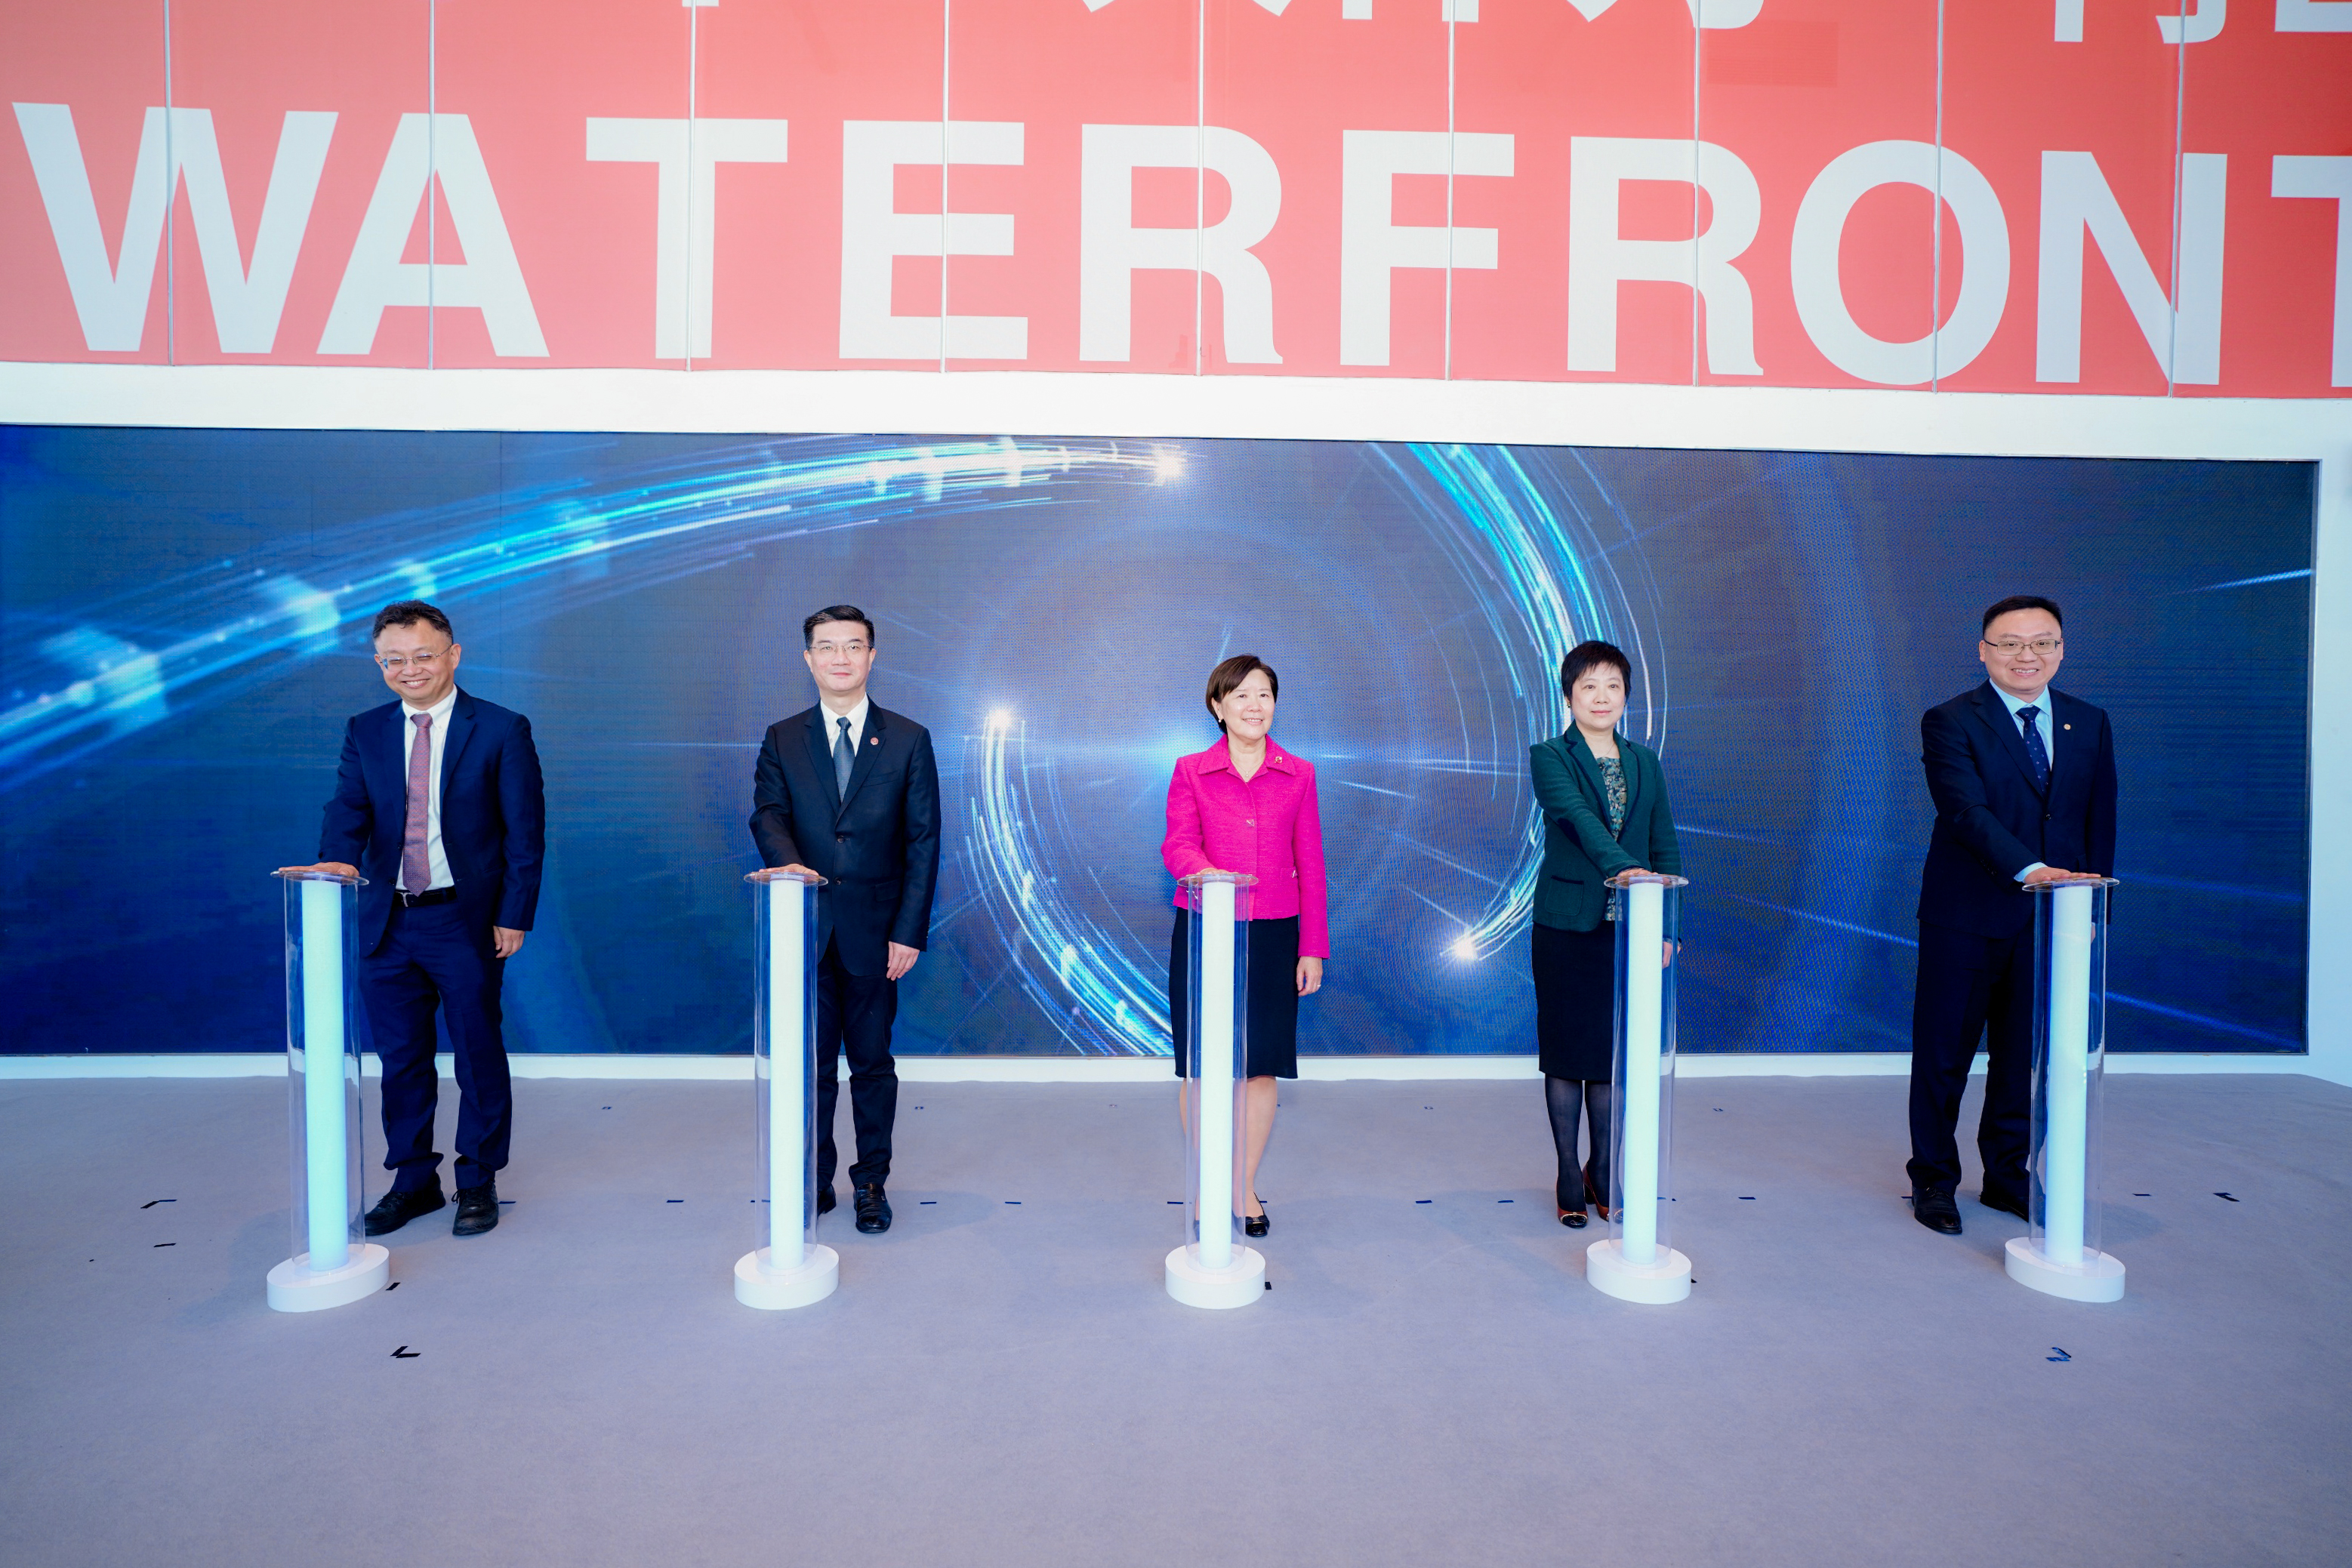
(2062, 1355)
(404, 1353)
(153, 1202)
(2225, 1195)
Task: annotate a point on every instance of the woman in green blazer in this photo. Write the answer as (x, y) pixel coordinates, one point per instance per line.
(1603, 799)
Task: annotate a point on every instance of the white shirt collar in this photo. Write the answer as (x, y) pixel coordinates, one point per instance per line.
(856, 718)
(440, 712)
(2040, 704)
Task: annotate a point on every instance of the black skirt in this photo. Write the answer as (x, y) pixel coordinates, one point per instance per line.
(1576, 1000)
(1273, 995)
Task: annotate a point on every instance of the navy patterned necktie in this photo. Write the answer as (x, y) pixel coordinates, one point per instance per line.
(845, 756)
(2035, 752)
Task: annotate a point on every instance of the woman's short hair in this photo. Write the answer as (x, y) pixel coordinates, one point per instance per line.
(1227, 677)
(1584, 656)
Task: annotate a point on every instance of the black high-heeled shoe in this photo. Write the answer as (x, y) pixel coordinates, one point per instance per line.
(1573, 1218)
(1256, 1225)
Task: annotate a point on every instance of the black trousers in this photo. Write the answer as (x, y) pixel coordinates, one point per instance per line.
(854, 1014)
(431, 960)
(1971, 986)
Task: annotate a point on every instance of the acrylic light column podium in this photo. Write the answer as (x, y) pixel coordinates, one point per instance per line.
(322, 1071)
(791, 1270)
(2060, 1255)
(1636, 1260)
(1213, 1268)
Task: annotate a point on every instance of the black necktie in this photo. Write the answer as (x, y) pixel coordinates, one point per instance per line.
(2035, 752)
(845, 756)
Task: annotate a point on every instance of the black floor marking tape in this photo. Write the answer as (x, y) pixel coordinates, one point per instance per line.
(2062, 1355)
(1422, 1200)
(926, 1200)
(2143, 1195)
(506, 1203)
(673, 1200)
(404, 1353)
(1507, 1200)
(1175, 1203)
(393, 1286)
(1745, 1197)
(153, 1202)
(1013, 1202)
(167, 1244)
(2225, 1195)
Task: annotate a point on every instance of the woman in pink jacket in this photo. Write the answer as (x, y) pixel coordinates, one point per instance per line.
(1248, 805)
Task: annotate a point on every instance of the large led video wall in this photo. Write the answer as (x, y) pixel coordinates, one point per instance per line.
(184, 616)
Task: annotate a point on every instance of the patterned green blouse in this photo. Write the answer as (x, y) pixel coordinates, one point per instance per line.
(1613, 781)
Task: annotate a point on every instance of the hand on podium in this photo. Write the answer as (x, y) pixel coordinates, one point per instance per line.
(328, 868)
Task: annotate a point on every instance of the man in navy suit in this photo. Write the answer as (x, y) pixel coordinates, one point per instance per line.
(2023, 778)
(850, 791)
(438, 804)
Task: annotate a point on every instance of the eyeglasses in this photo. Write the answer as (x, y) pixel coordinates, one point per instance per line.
(2009, 648)
(394, 664)
(827, 649)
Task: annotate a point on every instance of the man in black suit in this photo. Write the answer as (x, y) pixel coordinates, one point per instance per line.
(438, 804)
(850, 791)
(2024, 784)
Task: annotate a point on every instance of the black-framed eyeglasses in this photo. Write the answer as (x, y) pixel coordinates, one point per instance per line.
(2010, 647)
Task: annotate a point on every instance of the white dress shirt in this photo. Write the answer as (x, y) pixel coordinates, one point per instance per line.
(2041, 705)
(856, 718)
(435, 858)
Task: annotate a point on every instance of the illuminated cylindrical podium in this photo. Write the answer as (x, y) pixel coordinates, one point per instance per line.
(2060, 1255)
(322, 1073)
(790, 1269)
(1212, 1268)
(1636, 1261)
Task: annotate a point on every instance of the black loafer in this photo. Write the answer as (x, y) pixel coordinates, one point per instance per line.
(2006, 1202)
(478, 1209)
(396, 1208)
(873, 1210)
(826, 1202)
(1935, 1209)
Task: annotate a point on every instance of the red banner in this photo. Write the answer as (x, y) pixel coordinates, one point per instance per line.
(2034, 196)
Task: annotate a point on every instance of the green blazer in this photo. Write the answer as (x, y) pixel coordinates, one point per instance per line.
(1578, 849)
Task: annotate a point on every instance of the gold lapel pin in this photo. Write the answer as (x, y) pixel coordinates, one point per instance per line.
(2066, 727)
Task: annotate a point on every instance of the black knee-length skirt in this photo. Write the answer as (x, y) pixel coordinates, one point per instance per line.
(1273, 995)
(1576, 1000)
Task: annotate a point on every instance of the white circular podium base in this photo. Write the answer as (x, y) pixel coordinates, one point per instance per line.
(1656, 1284)
(295, 1288)
(1238, 1285)
(2099, 1277)
(775, 1290)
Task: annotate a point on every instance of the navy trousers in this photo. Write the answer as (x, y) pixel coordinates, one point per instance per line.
(430, 960)
(1971, 988)
(854, 1014)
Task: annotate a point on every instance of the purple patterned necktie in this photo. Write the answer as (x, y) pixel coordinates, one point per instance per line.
(415, 866)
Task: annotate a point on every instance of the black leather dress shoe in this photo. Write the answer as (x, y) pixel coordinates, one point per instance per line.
(478, 1209)
(1934, 1208)
(873, 1210)
(396, 1209)
(1257, 1224)
(826, 1202)
(2006, 1202)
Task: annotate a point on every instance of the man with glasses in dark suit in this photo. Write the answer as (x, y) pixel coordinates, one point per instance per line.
(2023, 778)
(438, 804)
(850, 791)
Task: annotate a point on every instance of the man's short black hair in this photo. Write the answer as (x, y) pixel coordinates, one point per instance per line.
(2022, 601)
(1583, 656)
(835, 612)
(408, 612)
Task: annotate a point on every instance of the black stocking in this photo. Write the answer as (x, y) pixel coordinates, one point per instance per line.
(1571, 1100)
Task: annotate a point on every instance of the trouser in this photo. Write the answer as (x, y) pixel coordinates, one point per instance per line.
(854, 1013)
(430, 960)
(1971, 986)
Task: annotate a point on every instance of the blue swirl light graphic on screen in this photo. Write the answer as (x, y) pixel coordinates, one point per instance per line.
(1547, 559)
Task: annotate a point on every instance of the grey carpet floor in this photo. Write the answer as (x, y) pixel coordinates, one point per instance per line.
(1000, 1380)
